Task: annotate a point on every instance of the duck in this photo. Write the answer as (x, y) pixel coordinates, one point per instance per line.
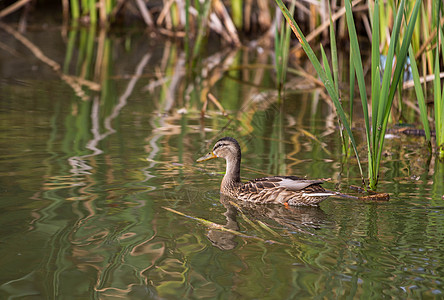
(286, 190)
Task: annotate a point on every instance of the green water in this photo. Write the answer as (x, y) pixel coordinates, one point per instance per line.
(87, 186)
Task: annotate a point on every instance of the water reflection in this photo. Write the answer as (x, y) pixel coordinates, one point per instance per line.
(88, 169)
(259, 217)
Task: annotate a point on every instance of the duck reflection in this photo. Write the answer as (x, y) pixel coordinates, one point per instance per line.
(301, 219)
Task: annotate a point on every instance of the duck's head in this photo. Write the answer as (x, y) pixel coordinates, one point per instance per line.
(227, 148)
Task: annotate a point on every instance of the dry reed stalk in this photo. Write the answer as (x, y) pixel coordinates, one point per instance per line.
(247, 14)
(164, 13)
(264, 14)
(181, 13)
(213, 99)
(312, 20)
(428, 41)
(340, 28)
(423, 79)
(220, 9)
(65, 11)
(146, 15)
(13, 7)
(216, 24)
(102, 13)
(367, 26)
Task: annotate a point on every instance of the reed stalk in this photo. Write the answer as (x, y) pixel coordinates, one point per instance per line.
(92, 11)
(204, 11)
(438, 91)
(75, 9)
(420, 96)
(282, 49)
(382, 93)
(326, 77)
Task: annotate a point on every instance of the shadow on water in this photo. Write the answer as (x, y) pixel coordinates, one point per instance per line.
(100, 133)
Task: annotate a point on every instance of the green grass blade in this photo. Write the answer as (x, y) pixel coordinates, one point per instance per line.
(399, 70)
(382, 23)
(352, 84)
(237, 13)
(327, 83)
(386, 95)
(375, 102)
(286, 44)
(400, 61)
(352, 87)
(334, 78)
(72, 38)
(375, 69)
(282, 48)
(357, 63)
(92, 11)
(419, 94)
(326, 65)
(357, 60)
(277, 53)
(386, 79)
(75, 9)
(187, 30)
(375, 83)
(204, 13)
(335, 68)
(334, 52)
(437, 101)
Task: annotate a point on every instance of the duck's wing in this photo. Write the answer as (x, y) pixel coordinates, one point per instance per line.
(291, 183)
(290, 190)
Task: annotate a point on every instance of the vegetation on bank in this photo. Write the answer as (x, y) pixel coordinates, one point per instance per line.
(403, 33)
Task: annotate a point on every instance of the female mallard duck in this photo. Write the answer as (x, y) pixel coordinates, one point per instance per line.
(287, 190)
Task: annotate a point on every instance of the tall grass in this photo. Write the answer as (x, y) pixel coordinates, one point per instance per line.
(282, 47)
(438, 96)
(382, 92)
(91, 11)
(438, 92)
(326, 77)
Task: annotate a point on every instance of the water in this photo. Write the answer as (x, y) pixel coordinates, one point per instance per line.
(102, 198)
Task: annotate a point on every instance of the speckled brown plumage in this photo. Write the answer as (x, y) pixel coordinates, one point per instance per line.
(289, 190)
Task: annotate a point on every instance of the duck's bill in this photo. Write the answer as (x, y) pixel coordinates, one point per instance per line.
(209, 156)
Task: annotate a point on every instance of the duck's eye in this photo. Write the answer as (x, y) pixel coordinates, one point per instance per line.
(218, 146)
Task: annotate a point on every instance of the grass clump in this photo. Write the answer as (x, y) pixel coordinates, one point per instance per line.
(382, 91)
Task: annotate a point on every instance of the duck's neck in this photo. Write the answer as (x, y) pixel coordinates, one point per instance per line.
(232, 175)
